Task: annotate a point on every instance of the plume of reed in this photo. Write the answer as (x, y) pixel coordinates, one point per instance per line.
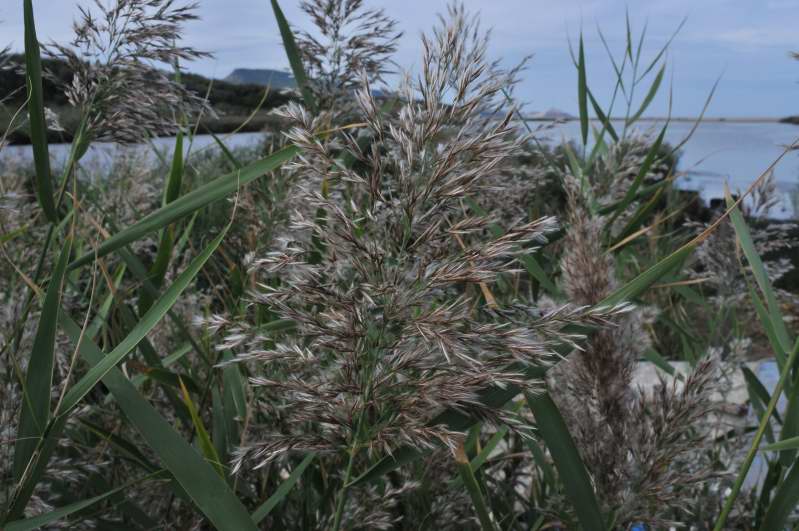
(380, 266)
(115, 57)
(643, 452)
(349, 41)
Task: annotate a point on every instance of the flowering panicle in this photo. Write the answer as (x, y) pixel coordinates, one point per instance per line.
(643, 452)
(116, 84)
(350, 42)
(379, 268)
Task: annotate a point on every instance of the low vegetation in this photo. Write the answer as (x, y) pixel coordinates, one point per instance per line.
(404, 312)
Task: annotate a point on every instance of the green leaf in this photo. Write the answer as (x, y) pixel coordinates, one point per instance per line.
(142, 328)
(572, 473)
(759, 397)
(582, 91)
(783, 503)
(39, 521)
(762, 312)
(759, 272)
(473, 488)
(188, 203)
(37, 122)
(650, 95)
(606, 124)
(226, 152)
(750, 455)
(791, 443)
(39, 377)
(173, 379)
(265, 508)
(201, 482)
(128, 449)
(650, 158)
(642, 282)
(166, 243)
(207, 447)
(293, 54)
(661, 363)
(234, 386)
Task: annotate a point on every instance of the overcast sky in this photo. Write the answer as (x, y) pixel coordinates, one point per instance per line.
(746, 42)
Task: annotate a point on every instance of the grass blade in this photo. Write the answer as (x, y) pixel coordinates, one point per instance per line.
(582, 91)
(642, 282)
(473, 488)
(188, 203)
(198, 478)
(650, 95)
(603, 117)
(37, 122)
(650, 158)
(281, 492)
(750, 456)
(39, 377)
(207, 447)
(575, 479)
(783, 445)
(293, 54)
(166, 241)
(759, 272)
(39, 521)
(783, 503)
(142, 328)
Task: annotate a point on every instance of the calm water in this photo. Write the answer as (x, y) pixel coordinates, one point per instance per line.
(717, 152)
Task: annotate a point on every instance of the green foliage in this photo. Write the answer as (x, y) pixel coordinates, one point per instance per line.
(165, 402)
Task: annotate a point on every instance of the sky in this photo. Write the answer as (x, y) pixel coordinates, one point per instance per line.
(745, 44)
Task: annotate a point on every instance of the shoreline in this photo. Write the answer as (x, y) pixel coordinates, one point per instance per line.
(791, 120)
(228, 124)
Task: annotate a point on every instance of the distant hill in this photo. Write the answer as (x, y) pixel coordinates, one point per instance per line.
(550, 114)
(263, 77)
(233, 100)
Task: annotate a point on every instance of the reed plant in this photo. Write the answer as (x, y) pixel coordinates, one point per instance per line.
(400, 311)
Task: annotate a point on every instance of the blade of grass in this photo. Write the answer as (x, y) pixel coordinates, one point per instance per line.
(759, 272)
(188, 203)
(293, 54)
(576, 481)
(650, 158)
(142, 328)
(200, 480)
(758, 390)
(791, 443)
(661, 363)
(39, 376)
(650, 95)
(206, 446)
(750, 456)
(473, 488)
(662, 51)
(36, 120)
(759, 398)
(282, 491)
(784, 501)
(166, 241)
(602, 117)
(582, 92)
(42, 520)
